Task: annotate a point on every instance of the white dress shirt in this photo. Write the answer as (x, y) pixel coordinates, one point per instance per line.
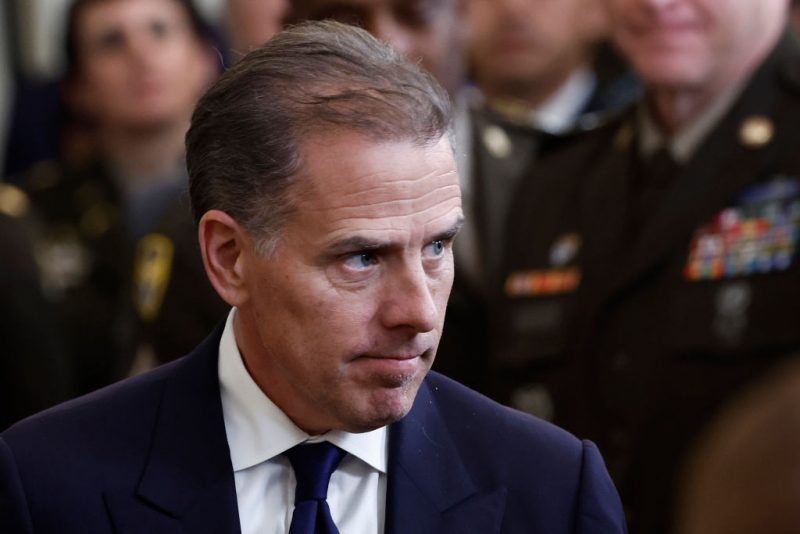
(259, 432)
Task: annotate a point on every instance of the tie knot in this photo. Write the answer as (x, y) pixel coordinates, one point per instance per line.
(661, 167)
(313, 465)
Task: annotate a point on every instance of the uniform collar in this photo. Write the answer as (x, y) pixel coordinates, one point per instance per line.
(683, 144)
(558, 114)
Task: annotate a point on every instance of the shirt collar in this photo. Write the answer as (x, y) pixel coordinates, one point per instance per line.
(684, 142)
(556, 115)
(257, 430)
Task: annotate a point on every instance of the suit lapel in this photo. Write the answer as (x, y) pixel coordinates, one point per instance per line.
(429, 487)
(705, 187)
(188, 479)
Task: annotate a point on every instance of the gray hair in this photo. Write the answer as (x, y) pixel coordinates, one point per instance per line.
(243, 146)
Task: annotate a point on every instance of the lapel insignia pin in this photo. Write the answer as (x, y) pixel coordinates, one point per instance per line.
(756, 131)
(623, 137)
(565, 249)
(732, 302)
(497, 142)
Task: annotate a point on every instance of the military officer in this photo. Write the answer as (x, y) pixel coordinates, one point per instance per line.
(135, 69)
(652, 264)
(33, 373)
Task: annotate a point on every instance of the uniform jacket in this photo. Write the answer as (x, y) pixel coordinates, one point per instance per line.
(496, 152)
(150, 455)
(631, 333)
(33, 373)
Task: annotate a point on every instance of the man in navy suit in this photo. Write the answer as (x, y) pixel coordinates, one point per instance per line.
(325, 189)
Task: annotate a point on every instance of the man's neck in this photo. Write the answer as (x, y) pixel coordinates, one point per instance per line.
(145, 152)
(675, 107)
(530, 94)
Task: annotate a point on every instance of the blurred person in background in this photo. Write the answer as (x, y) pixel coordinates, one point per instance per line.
(33, 373)
(744, 475)
(176, 306)
(252, 23)
(135, 69)
(532, 64)
(429, 31)
(794, 15)
(652, 263)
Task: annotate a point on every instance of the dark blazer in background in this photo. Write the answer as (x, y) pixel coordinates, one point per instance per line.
(150, 455)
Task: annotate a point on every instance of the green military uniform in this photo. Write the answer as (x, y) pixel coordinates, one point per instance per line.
(632, 308)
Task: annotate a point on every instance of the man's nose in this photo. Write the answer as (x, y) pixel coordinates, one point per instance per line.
(142, 49)
(410, 301)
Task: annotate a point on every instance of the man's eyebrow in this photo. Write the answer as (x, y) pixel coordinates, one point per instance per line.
(451, 232)
(359, 243)
(356, 243)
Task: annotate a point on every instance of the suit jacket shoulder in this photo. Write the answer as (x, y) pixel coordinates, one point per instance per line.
(473, 465)
(148, 454)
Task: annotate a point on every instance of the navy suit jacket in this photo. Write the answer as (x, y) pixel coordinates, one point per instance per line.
(150, 455)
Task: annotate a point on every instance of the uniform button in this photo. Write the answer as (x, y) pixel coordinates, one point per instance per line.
(620, 361)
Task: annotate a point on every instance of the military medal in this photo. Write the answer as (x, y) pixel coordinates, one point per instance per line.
(497, 142)
(756, 131)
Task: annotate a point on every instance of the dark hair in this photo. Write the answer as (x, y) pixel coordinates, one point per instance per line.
(198, 24)
(242, 149)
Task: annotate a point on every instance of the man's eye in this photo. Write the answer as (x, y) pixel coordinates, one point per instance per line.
(111, 40)
(435, 248)
(159, 29)
(361, 260)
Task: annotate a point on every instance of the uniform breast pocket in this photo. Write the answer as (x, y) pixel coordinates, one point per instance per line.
(740, 279)
(745, 316)
(537, 330)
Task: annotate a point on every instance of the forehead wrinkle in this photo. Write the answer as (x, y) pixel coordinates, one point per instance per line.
(364, 226)
(400, 206)
(395, 192)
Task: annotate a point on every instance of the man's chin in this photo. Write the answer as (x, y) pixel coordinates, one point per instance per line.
(384, 408)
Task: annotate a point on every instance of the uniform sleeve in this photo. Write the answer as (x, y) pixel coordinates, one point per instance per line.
(599, 506)
(14, 515)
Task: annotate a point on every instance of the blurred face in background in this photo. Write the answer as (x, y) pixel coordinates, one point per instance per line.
(517, 46)
(139, 63)
(253, 22)
(430, 31)
(685, 44)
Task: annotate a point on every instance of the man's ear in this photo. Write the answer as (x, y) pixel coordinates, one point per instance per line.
(225, 244)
